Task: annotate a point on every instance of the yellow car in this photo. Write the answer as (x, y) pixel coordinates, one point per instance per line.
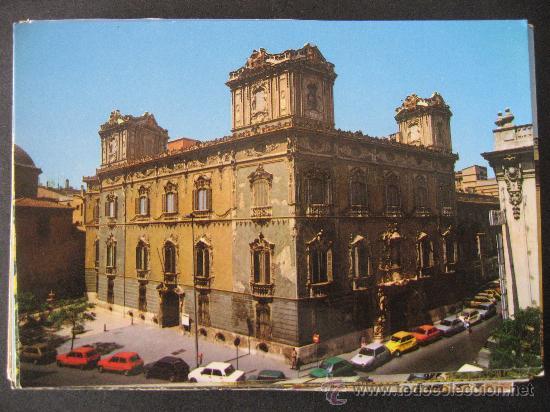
(401, 342)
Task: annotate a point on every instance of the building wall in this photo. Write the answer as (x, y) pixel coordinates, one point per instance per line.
(49, 252)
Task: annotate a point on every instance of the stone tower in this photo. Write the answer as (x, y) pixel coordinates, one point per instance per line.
(125, 137)
(294, 86)
(425, 122)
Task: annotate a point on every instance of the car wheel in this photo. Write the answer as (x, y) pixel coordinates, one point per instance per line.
(59, 364)
(193, 380)
(172, 378)
(126, 372)
(397, 353)
(101, 369)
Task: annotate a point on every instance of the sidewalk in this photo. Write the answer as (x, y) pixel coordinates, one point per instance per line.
(153, 342)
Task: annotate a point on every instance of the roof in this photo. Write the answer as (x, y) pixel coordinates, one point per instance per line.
(40, 203)
(170, 359)
(22, 158)
(83, 349)
(125, 354)
(180, 143)
(426, 327)
(374, 345)
(333, 360)
(218, 365)
(400, 334)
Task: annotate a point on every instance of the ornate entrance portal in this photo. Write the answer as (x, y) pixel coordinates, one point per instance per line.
(170, 314)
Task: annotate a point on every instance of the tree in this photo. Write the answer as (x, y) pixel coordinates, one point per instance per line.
(518, 341)
(73, 313)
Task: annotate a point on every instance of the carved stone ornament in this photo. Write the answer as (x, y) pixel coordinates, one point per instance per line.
(514, 182)
(260, 173)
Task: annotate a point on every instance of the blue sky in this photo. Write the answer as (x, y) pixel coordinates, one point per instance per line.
(69, 75)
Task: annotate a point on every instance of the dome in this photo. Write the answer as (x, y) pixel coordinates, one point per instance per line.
(22, 158)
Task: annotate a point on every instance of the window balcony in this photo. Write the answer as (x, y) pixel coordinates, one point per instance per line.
(260, 212)
(422, 211)
(360, 282)
(447, 211)
(359, 211)
(170, 278)
(202, 282)
(319, 290)
(142, 273)
(318, 210)
(110, 270)
(393, 211)
(202, 214)
(262, 290)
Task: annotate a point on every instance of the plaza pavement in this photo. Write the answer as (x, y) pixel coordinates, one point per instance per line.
(153, 342)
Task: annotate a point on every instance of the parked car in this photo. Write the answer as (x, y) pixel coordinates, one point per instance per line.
(423, 376)
(37, 353)
(483, 295)
(371, 356)
(169, 367)
(470, 315)
(450, 325)
(218, 372)
(332, 367)
(124, 362)
(493, 292)
(267, 375)
(401, 342)
(83, 357)
(486, 310)
(426, 334)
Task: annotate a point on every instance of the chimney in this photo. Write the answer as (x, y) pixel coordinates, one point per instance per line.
(66, 184)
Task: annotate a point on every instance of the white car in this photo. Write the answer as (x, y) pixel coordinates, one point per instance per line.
(216, 372)
(371, 356)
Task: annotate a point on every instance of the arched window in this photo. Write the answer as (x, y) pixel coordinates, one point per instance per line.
(142, 299)
(96, 250)
(319, 257)
(420, 193)
(96, 211)
(170, 198)
(142, 257)
(393, 194)
(260, 183)
(202, 260)
(450, 250)
(261, 252)
(358, 188)
(360, 260)
(111, 206)
(311, 96)
(142, 202)
(169, 258)
(111, 255)
(202, 195)
(424, 250)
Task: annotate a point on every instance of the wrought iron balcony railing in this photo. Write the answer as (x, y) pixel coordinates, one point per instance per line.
(318, 210)
(319, 290)
(393, 211)
(359, 211)
(262, 290)
(202, 282)
(447, 211)
(170, 278)
(261, 212)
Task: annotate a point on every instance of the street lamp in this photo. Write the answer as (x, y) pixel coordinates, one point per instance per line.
(192, 217)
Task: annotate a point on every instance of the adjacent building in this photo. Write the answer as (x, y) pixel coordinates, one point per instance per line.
(514, 160)
(285, 228)
(473, 179)
(49, 253)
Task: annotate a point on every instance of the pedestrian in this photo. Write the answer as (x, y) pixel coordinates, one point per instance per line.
(467, 326)
(200, 358)
(294, 359)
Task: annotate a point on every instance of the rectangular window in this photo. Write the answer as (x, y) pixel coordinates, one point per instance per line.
(202, 200)
(143, 205)
(170, 203)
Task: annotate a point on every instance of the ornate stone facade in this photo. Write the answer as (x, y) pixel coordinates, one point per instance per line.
(286, 227)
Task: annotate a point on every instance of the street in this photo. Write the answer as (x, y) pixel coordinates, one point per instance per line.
(152, 343)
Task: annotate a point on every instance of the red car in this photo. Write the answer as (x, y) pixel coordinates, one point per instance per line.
(426, 334)
(83, 357)
(125, 362)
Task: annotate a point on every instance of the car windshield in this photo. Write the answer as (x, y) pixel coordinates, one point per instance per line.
(326, 365)
(421, 331)
(229, 370)
(446, 322)
(134, 358)
(395, 339)
(367, 351)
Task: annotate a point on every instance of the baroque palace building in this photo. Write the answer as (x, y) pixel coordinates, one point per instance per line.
(288, 226)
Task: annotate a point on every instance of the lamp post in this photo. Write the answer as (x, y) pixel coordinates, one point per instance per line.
(192, 217)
